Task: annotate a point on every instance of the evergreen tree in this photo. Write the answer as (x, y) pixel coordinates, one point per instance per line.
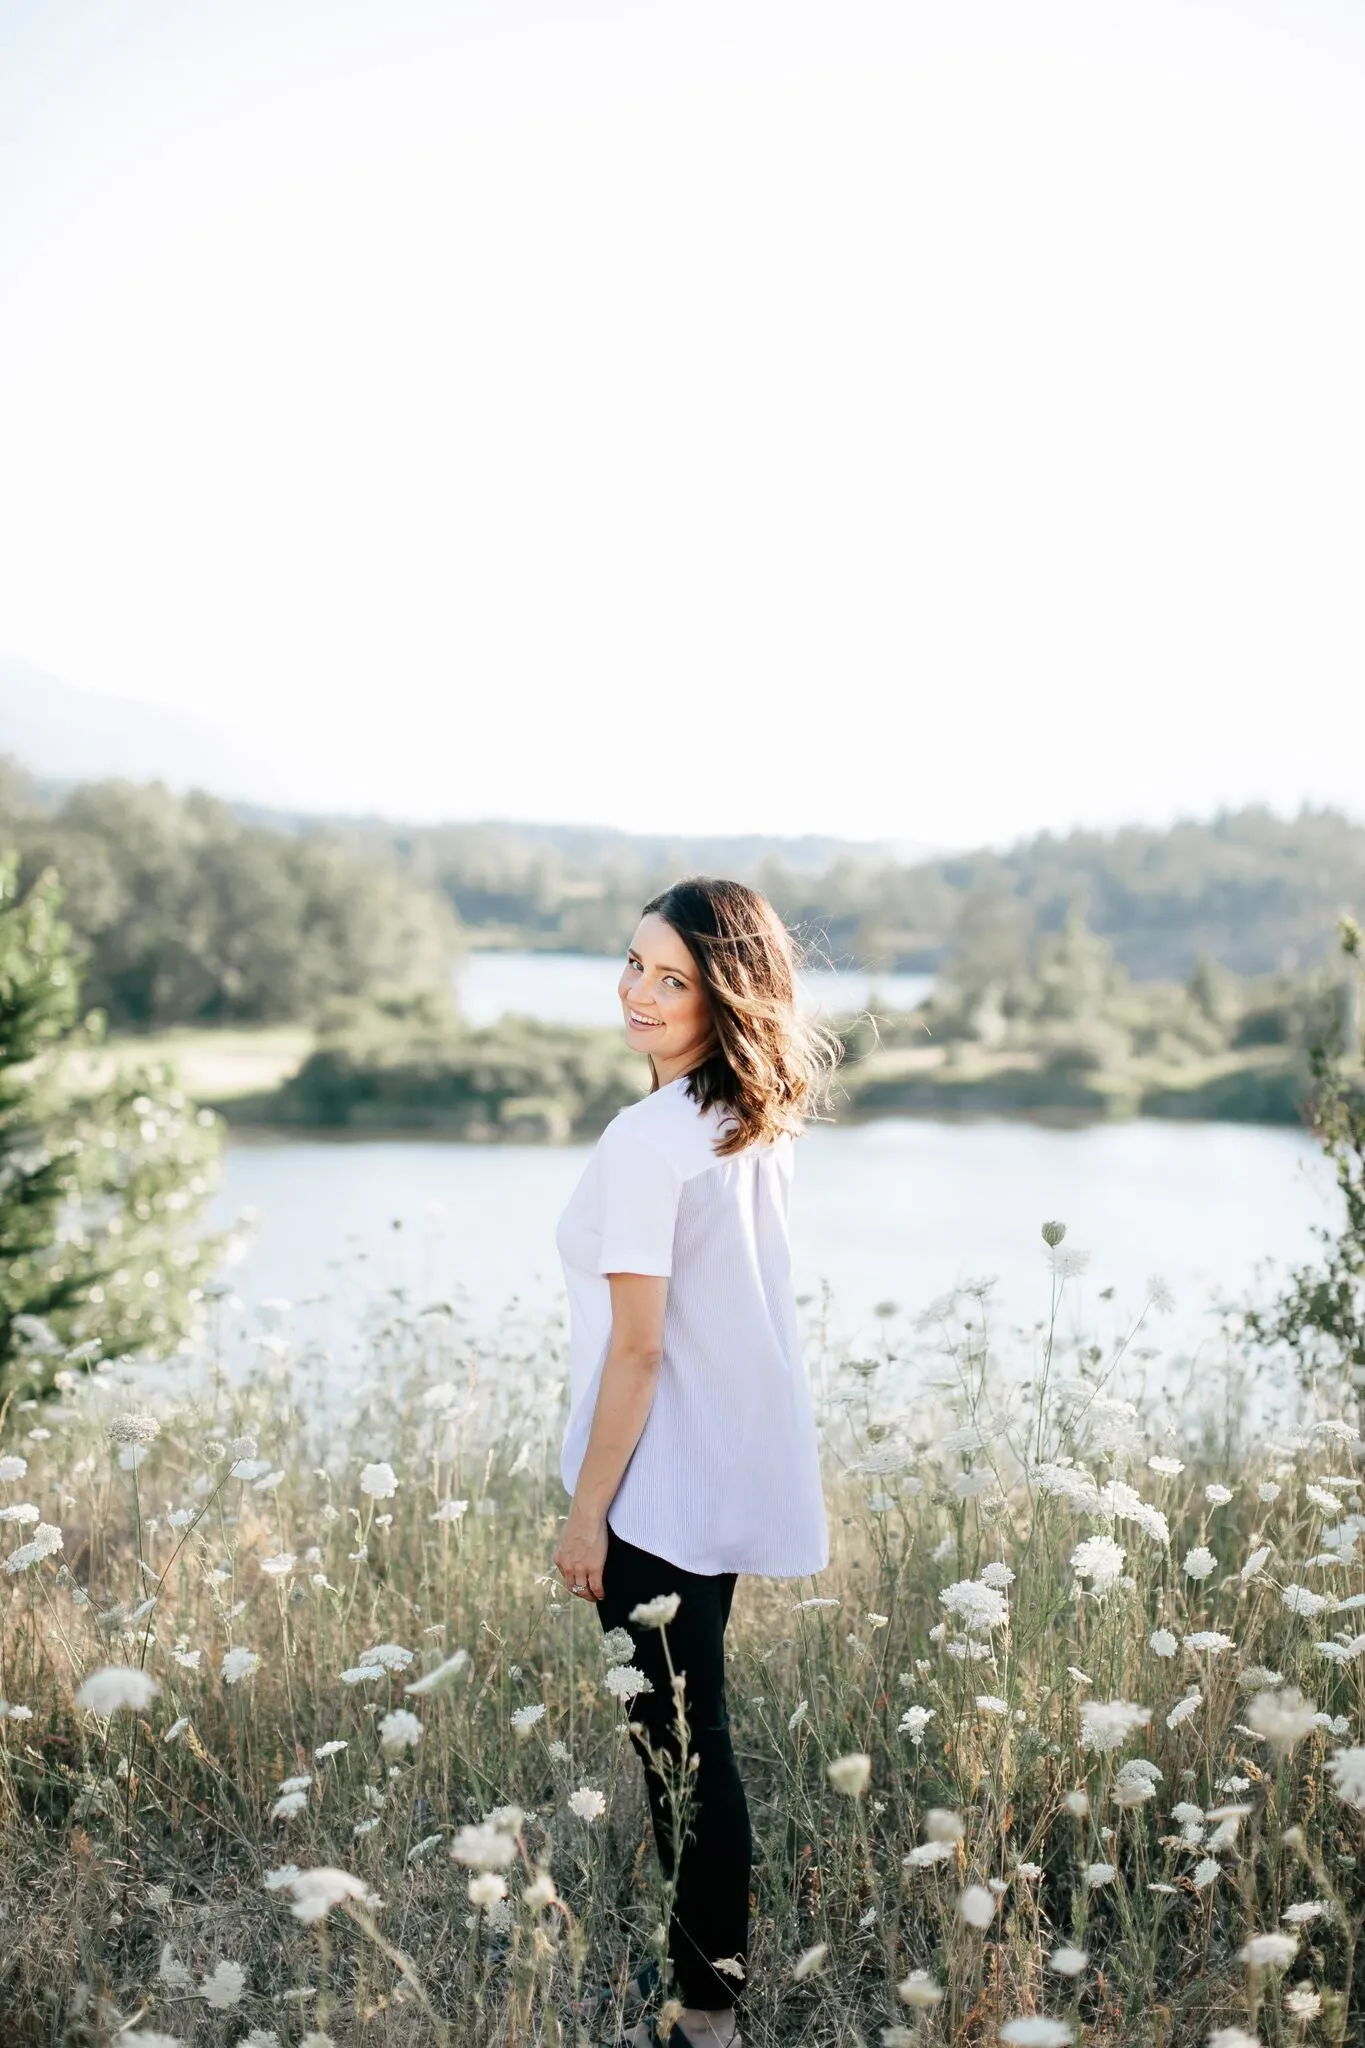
(99, 1178)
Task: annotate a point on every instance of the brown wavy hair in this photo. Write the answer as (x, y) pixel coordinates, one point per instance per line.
(770, 1065)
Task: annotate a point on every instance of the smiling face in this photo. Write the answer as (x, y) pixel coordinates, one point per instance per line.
(663, 1002)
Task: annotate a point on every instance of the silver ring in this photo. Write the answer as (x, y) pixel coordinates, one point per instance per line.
(580, 1589)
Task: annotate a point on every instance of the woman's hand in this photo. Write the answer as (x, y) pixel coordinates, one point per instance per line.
(582, 1552)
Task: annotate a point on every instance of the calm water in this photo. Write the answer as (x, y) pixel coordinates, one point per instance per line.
(579, 988)
(899, 1210)
(896, 1211)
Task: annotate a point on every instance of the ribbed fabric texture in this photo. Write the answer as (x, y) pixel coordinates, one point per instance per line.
(726, 1475)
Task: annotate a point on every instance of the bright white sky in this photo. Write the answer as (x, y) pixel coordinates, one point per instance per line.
(913, 417)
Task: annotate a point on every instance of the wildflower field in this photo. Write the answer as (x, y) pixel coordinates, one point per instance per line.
(304, 1742)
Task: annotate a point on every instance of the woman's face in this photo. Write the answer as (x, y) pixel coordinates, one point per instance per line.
(663, 1002)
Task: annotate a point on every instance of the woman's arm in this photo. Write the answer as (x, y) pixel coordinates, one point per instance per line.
(625, 1395)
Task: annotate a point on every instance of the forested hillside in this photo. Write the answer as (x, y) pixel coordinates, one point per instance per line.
(1255, 892)
(186, 915)
(195, 910)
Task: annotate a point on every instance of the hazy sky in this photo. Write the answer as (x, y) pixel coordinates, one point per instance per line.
(939, 420)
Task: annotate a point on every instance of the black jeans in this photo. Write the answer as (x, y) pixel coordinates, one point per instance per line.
(710, 1917)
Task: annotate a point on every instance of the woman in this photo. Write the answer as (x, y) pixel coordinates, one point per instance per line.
(690, 1451)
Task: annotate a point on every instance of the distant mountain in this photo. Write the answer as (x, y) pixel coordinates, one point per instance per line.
(64, 736)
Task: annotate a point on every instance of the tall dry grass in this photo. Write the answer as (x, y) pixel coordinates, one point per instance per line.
(1065, 1743)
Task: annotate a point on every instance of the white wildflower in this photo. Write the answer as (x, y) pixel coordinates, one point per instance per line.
(224, 1987)
(239, 1664)
(1199, 1562)
(919, 1991)
(484, 1846)
(623, 1681)
(926, 1853)
(317, 1891)
(1107, 1724)
(850, 1774)
(979, 1606)
(1269, 1951)
(977, 1905)
(1100, 1560)
(1346, 1768)
(133, 1429)
(115, 1686)
(1283, 1717)
(379, 1481)
(657, 1612)
(1136, 1782)
(399, 1730)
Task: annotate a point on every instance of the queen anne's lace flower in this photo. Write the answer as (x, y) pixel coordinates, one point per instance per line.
(1122, 1501)
(115, 1686)
(979, 1606)
(484, 1846)
(1269, 1951)
(914, 1721)
(850, 1774)
(1283, 1717)
(1107, 1724)
(977, 1905)
(1100, 1560)
(1346, 1768)
(623, 1681)
(399, 1730)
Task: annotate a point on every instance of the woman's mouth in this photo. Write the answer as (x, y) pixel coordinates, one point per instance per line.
(644, 1023)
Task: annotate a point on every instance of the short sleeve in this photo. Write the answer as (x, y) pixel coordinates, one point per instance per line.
(638, 1191)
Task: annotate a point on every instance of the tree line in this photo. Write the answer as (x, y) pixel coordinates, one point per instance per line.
(191, 910)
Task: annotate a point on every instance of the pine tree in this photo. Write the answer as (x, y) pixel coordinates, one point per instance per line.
(99, 1183)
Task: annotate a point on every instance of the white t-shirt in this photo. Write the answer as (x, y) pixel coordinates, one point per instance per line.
(726, 1474)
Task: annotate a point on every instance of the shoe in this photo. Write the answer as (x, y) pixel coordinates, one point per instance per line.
(679, 2038)
(641, 1985)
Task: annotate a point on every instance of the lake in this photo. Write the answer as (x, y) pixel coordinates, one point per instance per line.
(899, 1210)
(896, 1210)
(580, 988)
